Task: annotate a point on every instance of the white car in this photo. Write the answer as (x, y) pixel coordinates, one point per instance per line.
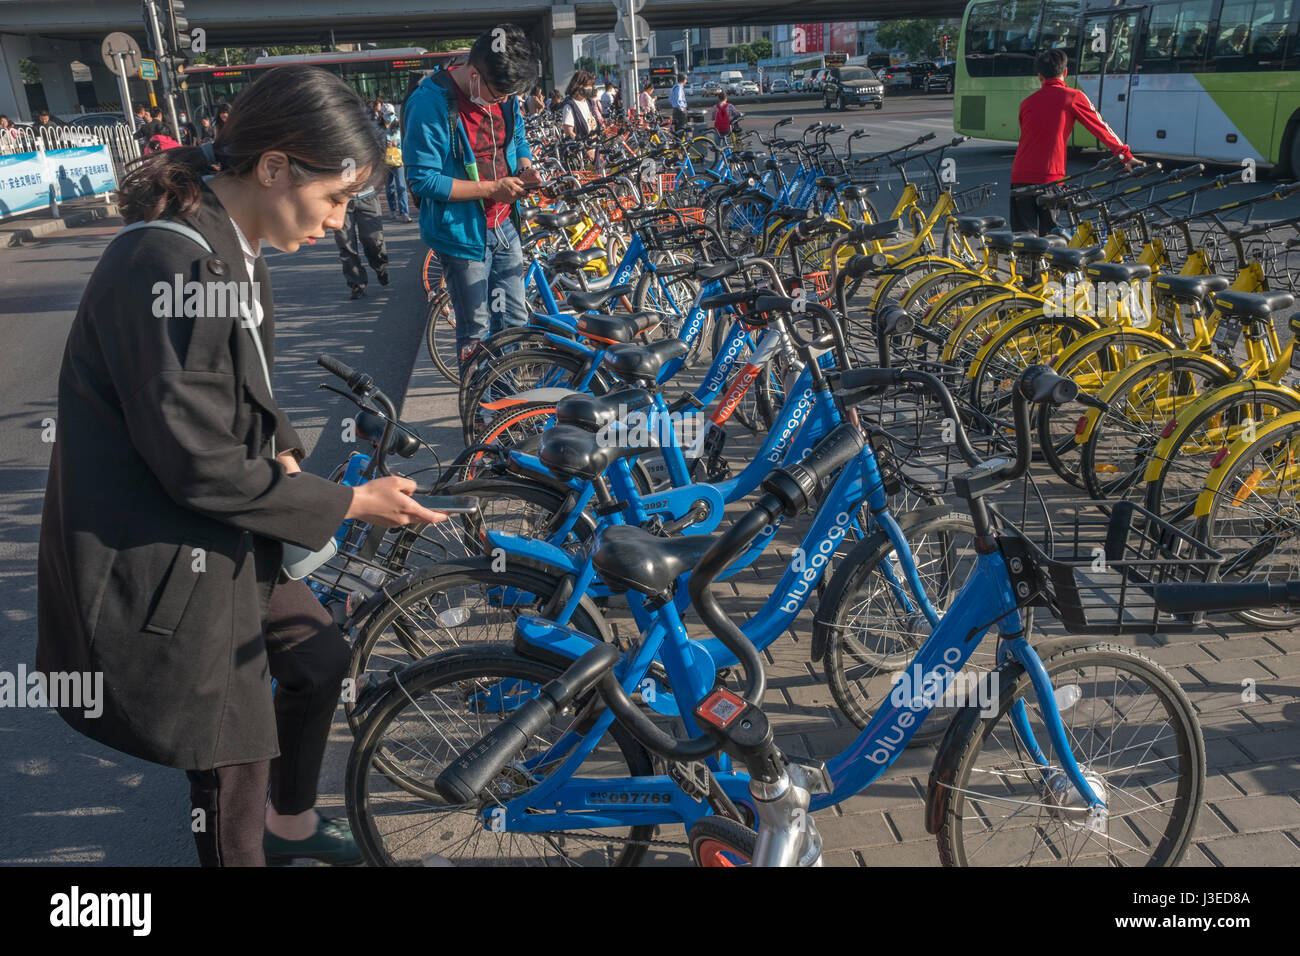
(780, 86)
(749, 88)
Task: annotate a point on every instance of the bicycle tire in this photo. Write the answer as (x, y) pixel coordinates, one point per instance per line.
(513, 373)
(458, 672)
(970, 734)
(719, 841)
(440, 337)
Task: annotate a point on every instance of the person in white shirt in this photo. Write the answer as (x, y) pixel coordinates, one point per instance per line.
(387, 111)
(607, 101)
(580, 116)
(645, 102)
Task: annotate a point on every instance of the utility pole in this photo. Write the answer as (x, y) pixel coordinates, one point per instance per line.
(164, 71)
(686, 50)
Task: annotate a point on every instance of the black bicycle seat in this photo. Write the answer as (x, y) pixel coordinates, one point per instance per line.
(1190, 288)
(592, 413)
(556, 220)
(631, 558)
(582, 301)
(570, 260)
(1259, 305)
(573, 452)
(1035, 245)
(858, 190)
(641, 363)
(1069, 257)
(978, 225)
(615, 328)
(1118, 271)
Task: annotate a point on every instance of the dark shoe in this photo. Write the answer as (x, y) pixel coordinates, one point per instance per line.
(383, 276)
(332, 843)
(358, 291)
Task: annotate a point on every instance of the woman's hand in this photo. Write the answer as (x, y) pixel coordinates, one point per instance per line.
(387, 502)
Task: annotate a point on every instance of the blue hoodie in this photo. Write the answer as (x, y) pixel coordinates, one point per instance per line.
(433, 160)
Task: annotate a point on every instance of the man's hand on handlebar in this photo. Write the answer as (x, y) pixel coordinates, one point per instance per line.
(507, 189)
(387, 502)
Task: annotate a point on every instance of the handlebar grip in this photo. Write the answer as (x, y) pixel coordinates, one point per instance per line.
(472, 771)
(1218, 596)
(926, 137)
(796, 484)
(855, 379)
(332, 365)
(729, 298)
(1039, 383)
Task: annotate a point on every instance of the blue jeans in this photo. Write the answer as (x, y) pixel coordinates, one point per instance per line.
(398, 204)
(487, 296)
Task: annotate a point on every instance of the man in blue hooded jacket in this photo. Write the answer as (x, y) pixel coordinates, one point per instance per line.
(467, 159)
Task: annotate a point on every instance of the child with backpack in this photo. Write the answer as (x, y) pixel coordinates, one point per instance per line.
(725, 119)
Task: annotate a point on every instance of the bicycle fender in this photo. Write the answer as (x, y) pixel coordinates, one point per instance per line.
(1074, 348)
(1161, 454)
(1134, 371)
(821, 636)
(551, 394)
(531, 550)
(1214, 480)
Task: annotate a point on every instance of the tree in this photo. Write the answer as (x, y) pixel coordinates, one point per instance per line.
(762, 50)
(918, 39)
(739, 53)
(585, 63)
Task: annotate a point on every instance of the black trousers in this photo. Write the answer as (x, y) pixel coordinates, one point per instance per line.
(363, 226)
(1028, 216)
(308, 656)
(679, 119)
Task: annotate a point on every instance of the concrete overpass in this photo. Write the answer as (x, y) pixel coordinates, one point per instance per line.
(54, 33)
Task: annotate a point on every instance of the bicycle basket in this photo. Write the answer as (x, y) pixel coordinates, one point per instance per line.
(1106, 558)
(968, 200)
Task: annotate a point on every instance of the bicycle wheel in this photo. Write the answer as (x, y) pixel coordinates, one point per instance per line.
(903, 276)
(718, 841)
(1212, 426)
(490, 351)
(1090, 367)
(439, 709)
(460, 604)
(440, 337)
(870, 635)
(1035, 340)
(1136, 739)
(1114, 456)
(508, 376)
(703, 152)
(1254, 522)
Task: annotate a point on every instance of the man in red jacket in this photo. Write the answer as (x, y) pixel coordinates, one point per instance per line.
(1046, 120)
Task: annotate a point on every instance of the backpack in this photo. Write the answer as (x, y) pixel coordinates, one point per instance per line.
(722, 117)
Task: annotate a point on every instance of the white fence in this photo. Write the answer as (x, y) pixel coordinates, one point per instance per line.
(119, 138)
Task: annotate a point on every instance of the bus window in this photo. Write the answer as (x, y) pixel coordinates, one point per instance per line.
(1019, 46)
(1191, 35)
(1158, 45)
(1060, 28)
(1252, 35)
(981, 38)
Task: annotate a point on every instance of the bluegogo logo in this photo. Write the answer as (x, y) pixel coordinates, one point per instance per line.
(809, 567)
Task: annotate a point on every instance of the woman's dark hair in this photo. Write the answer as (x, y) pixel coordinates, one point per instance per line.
(305, 112)
(506, 58)
(581, 80)
(1051, 63)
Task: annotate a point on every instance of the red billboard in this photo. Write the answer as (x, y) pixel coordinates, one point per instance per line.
(844, 39)
(808, 38)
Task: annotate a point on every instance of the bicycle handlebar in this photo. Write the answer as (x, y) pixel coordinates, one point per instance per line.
(1222, 596)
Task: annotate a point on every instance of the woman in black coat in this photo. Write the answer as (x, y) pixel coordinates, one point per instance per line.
(175, 479)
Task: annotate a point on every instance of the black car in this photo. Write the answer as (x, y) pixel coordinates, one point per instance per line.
(847, 86)
(920, 73)
(941, 80)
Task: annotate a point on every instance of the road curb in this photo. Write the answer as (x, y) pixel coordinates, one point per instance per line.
(48, 227)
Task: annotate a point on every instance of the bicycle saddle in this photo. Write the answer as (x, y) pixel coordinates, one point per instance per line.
(747, 156)
(1001, 239)
(1035, 245)
(1191, 287)
(831, 183)
(978, 225)
(719, 270)
(556, 220)
(615, 328)
(642, 362)
(858, 190)
(1067, 257)
(570, 260)
(573, 452)
(582, 301)
(630, 558)
(592, 413)
(790, 213)
(1259, 305)
(1119, 271)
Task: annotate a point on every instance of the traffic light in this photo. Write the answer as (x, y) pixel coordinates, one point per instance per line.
(178, 28)
(156, 44)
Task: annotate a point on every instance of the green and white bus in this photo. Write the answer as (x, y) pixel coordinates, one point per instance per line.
(1211, 80)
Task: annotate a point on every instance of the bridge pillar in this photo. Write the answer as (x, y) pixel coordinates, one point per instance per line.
(54, 59)
(561, 22)
(13, 97)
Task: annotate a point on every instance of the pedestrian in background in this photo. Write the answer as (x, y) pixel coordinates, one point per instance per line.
(363, 227)
(536, 102)
(398, 206)
(725, 119)
(677, 100)
(468, 159)
(1047, 118)
(645, 103)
